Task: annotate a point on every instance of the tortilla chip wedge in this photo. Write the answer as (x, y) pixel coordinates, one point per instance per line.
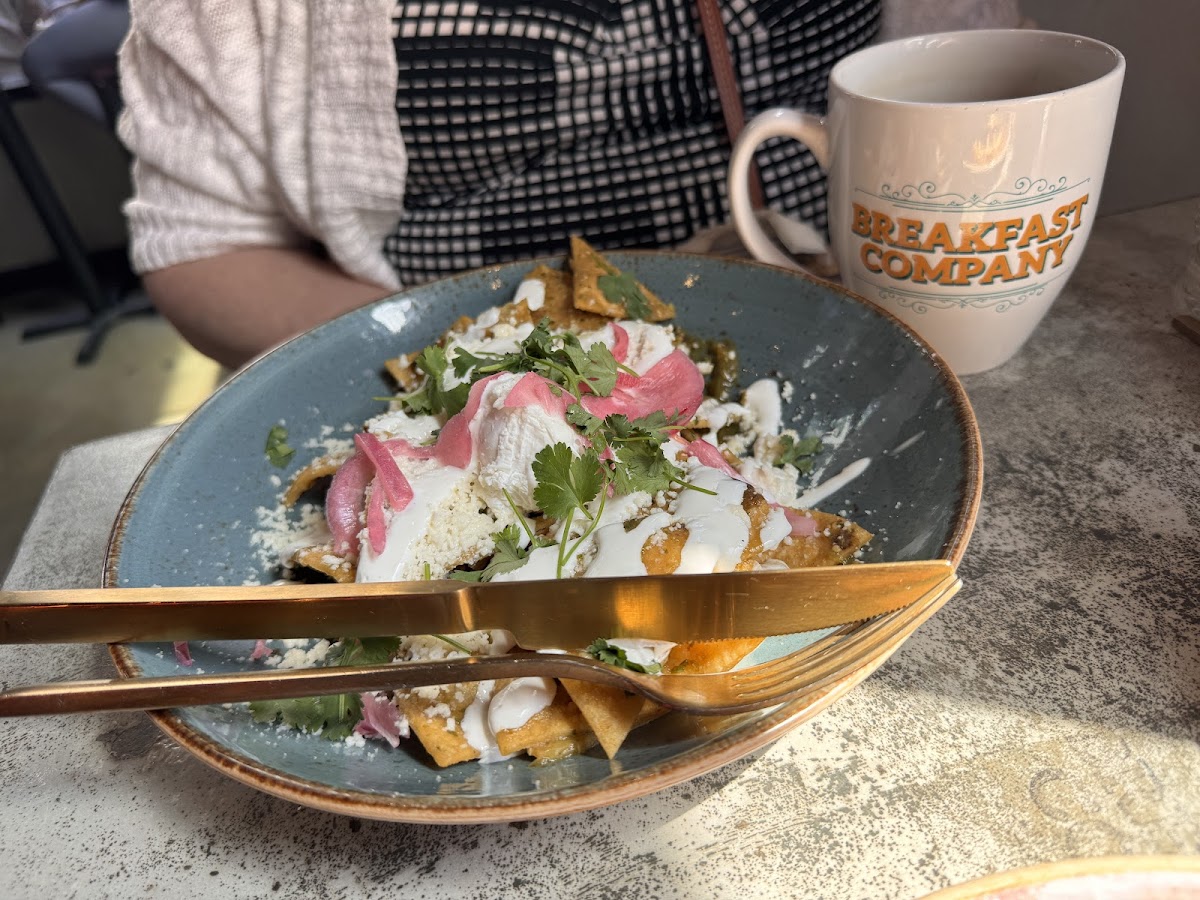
(324, 560)
(600, 287)
(560, 720)
(610, 712)
(437, 721)
(836, 540)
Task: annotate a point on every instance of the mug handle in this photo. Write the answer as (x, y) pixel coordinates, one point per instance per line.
(811, 131)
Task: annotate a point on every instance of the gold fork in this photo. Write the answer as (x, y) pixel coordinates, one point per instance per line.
(804, 671)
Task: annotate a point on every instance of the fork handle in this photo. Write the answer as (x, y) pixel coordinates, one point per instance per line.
(109, 695)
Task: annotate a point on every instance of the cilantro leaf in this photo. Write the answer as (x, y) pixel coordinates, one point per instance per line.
(614, 656)
(571, 352)
(465, 361)
(540, 342)
(643, 468)
(433, 397)
(600, 371)
(652, 427)
(335, 715)
(622, 288)
(369, 651)
(798, 453)
(277, 449)
(509, 555)
(583, 420)
(418, 402)
(565, 482)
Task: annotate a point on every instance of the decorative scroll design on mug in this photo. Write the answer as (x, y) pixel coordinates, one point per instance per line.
(921, 302)
(1025, 192)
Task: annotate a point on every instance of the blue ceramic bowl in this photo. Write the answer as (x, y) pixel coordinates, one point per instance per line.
(858, 376)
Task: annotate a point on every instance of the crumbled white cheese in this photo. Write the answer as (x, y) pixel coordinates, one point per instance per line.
(300, 657)
(281, 533)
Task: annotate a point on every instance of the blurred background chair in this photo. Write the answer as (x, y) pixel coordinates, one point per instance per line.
(74, 60)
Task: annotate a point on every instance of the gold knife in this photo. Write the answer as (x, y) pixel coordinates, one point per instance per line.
(562, 614)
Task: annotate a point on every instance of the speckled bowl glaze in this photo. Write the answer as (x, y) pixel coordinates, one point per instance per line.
(857, 375)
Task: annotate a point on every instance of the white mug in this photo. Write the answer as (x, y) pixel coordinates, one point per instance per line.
(964, 173)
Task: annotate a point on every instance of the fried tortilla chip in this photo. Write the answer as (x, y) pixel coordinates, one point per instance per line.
(836, 541)
(557, 303)
(562, 748)
(561, 719)
(663, 550)
(707, 657)
(610, 712)
(324, 560)
(435, 716)
(757, 510)
(602, 288)
(321, 467)
(404, 371)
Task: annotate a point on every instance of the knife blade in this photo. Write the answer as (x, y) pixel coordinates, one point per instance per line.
(561, 614)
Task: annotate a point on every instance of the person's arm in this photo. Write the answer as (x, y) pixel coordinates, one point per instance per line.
(238, 304)
(225, 208)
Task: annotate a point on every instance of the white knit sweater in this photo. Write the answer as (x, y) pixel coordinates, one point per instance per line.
(262, 123)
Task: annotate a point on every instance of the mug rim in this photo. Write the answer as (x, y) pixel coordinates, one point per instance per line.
(839, 73)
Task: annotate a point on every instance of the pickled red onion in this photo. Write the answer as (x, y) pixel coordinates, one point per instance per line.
(620, 348)
(712, 457)
(395, 486)
(344, 502)
(537, 390)
(454, 441)
(803, 525)
(673, 385)
(380, 719)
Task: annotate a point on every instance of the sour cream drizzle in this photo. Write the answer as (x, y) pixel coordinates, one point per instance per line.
(519, 701)
(718, 527)
(815, 495)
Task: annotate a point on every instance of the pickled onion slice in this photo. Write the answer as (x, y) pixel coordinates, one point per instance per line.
(376, 521)
(395, 486)
(620, 348)
(537, 390)
(381, 719)
(712, 457)
(803, 525)
(673, 385)
(344, 503)
(182, 653)
(454, 441)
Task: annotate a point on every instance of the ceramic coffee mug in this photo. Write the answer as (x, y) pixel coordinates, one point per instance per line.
(964, 173)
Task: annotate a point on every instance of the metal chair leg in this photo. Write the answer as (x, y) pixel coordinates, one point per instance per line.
(46, 203)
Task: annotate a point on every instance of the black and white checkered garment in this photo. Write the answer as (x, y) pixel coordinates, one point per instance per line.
(527, 122)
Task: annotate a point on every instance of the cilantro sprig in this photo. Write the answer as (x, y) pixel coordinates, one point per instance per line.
(433, 396)
(277, 449)
(559, 357)
(509, 555)
(625, 456)
(798, 453)
(614, 656)
(335, 715)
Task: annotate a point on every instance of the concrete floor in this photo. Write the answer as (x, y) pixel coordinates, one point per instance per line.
(144, 375)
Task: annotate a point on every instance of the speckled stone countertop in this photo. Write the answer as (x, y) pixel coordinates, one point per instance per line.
(1052, 710)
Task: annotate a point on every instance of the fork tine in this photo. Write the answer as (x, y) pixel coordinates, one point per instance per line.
(800, 662)
(884, 641)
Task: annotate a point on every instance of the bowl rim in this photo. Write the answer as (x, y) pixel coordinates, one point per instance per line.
(740, 741)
